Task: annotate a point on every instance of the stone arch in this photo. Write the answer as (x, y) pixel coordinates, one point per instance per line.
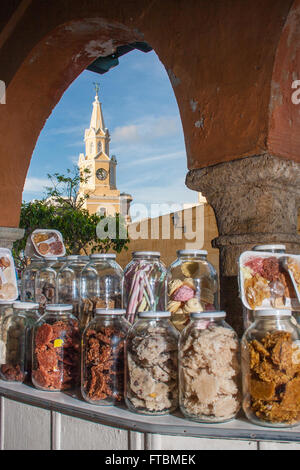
(36, 88)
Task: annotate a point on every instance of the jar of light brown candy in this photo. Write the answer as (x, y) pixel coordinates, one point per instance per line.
(192, 286)
(102, 364)
(271, 370)
(151, 374)
(56, 349)
(209, 369)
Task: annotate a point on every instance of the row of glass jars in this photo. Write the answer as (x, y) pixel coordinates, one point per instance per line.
(189, 285)
(206, 376)
(85, 282)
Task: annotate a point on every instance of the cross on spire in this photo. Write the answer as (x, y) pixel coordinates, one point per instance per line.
(97, 88)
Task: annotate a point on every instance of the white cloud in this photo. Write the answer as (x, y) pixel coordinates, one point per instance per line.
(161, 157)
(173, 192)
(126, 133)
(146, 129)
(35, 185)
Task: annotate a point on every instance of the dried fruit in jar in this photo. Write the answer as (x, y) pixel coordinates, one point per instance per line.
(56, 355)
(210, 373)
(104, 364)
(275, 378)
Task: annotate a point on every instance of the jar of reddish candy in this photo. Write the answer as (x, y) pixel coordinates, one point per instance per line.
(56, 349)
(102, 364)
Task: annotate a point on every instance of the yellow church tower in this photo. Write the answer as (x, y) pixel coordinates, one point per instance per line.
(104, 197)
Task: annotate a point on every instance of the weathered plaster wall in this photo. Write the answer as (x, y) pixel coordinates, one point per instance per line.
(284, 122)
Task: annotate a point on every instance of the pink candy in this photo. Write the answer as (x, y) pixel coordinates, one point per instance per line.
(183, 294)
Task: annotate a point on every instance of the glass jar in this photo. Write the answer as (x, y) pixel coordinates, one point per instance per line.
(56, 349)
(209, 371)
(102, 364)
(15, 337)
(68, 282)
(100, 286)
(151, 373)
(28, 279)
(248, 315)
(144, 284)
(45, 283)
(31, 312)
(271, 370)
(192, 286)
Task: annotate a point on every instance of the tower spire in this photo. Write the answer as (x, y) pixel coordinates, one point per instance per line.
(97, 121)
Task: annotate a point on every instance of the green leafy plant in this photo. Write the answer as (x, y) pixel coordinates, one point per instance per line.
(61, 209)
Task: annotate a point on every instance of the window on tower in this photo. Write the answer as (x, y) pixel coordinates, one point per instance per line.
(99, 147)
(91, 147)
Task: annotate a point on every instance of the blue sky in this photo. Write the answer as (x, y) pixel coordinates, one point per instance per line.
(141, 113)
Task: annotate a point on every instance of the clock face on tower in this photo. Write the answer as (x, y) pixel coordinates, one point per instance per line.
(101, 174)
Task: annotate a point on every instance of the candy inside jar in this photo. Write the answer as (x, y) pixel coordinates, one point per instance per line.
(209, 369)
(101, 286)
(102, 380)
(68, 282)
(144, 284)
(271, 369)
(151, 373)
(45, 283)
(56, 346)
(192, 286)
(28, 279)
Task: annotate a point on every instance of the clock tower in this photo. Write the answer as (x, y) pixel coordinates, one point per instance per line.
(104, 197)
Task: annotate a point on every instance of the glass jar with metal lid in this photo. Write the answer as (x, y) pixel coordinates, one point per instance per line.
(31, 311)
(56, 349)
(68, 282)
(271, 370)
(144, 284)
(192, 286)
(45, 284)
(151, 373)
(100, 286)
(6, 309)
(102, 363)
(248, 315)
(16, 339)
(209, 372)
(28, 279)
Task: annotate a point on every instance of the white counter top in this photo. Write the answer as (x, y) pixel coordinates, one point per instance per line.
(120, 417)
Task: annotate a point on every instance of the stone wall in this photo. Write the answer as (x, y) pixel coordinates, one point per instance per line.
(185, 226)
